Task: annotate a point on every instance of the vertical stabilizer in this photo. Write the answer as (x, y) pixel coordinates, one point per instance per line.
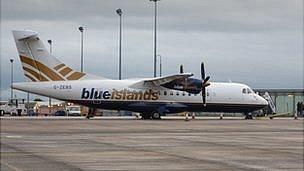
(38, 64)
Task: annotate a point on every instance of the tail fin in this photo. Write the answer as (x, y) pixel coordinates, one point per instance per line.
(38, 64)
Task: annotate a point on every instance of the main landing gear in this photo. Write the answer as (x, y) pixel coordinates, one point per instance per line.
(248, 116)
(92, 113)
(152, 115)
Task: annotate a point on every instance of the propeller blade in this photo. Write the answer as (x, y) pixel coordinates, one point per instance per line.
(204, 95)
(206, 79)
(204, 83)
(202, 71)
(181, 69)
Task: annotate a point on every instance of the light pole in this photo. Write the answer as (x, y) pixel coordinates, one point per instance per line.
(119, 12)
(160, 65)
(81, 29)
(155, 37)
(12, 77)
(50, 99)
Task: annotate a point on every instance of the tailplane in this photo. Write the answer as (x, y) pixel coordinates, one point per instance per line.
(38, 64)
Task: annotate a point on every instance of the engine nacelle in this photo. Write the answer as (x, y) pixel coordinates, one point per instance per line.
(190, 85)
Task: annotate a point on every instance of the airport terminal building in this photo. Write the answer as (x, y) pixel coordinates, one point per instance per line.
(285, 100)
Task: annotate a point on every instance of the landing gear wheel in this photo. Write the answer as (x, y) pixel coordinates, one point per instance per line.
(145, 116)
(248, 116)
(155, 115)
(91, 114)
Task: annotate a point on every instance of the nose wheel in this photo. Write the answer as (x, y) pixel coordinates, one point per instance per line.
(153, 115)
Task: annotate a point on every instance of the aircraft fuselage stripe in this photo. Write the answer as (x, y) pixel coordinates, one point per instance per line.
(59, 66)
(42, 68)
(75, 76)
(65, 71)
(36, 75)
(137, 106)
(30, 77)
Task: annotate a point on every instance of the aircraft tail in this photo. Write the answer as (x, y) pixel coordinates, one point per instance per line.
(38, 64)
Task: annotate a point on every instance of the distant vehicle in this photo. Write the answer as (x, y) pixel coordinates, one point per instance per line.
(59, 113)
(14, 107)
(73, 110)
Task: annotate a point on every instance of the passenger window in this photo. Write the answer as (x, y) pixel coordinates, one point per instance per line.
(244, 91)
(184, 93)
(207, 93)
(158, 92)
(189, 94)
(165, 93)
(177, 93)
(171, 93)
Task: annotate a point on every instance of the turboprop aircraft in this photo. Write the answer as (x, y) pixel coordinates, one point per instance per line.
(152, 97)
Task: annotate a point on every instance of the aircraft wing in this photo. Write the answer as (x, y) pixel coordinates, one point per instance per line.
(162, 80)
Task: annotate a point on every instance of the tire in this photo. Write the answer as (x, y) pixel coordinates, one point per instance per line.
(155, 115)
(248, 116)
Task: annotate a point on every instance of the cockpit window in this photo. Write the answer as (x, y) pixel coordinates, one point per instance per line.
(244, 91)
(249, 91)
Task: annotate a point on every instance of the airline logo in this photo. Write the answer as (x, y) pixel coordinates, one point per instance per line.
(124, 94)
(37, 71)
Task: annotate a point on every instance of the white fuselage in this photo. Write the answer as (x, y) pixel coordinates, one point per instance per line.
(121, 95)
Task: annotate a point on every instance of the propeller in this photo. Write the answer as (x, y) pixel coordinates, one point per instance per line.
(181, 69)
(205, 83)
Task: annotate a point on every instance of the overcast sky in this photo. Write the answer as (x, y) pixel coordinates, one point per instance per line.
(256, 42)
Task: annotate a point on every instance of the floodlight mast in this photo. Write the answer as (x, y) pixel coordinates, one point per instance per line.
(81, 29)
(155, 36)
(119, 12)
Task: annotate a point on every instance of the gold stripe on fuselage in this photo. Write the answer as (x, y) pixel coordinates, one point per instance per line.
(59, 66)
(49, 72)
(75, 76)
(35, 74)
(42, 68)
(65, 71)
(30, 77)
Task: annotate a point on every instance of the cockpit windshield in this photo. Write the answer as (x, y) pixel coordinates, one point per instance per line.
(247, 91)
(244, 91)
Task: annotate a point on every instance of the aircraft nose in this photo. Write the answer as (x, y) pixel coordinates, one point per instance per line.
(263, 101)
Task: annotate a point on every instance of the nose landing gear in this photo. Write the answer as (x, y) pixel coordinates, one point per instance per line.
(152, 115)
(155, 115)
(248, 116)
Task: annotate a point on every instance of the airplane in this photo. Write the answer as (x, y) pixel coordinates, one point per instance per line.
(151, 97)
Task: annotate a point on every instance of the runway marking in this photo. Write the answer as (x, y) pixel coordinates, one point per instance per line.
(13, 136)
(10, 166)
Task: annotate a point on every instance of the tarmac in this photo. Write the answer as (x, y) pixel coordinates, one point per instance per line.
(50, 143)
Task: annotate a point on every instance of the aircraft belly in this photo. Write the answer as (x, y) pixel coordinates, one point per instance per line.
(169, 107)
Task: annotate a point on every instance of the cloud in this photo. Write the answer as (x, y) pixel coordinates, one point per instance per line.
(216, 15)
(259, 42)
